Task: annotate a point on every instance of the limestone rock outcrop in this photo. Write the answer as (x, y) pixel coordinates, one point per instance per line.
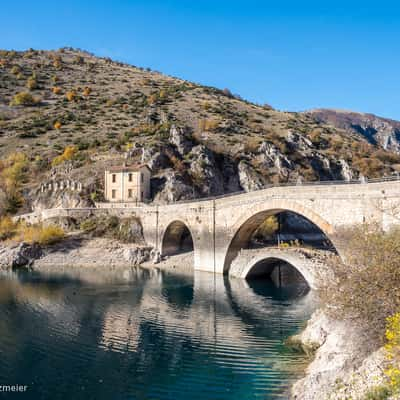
(19, 255)
(205, 169)
(171, 187)
(344, 365)
(249, 178)
(138, 255)
(178, 138)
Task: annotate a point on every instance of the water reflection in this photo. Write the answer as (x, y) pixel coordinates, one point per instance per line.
(147, 334)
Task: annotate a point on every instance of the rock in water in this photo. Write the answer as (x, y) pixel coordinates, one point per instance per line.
(20, 255)
(137, 255)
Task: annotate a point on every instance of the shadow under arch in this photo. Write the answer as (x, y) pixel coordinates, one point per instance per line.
(281, 270)
(177, 238)
(248, 223)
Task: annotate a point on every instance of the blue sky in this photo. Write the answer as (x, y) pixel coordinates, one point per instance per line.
(294, 55)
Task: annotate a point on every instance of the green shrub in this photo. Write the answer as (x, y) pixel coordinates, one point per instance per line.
(31, 83)
(23, 99)
(378, 393)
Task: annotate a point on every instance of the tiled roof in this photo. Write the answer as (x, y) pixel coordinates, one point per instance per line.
(128, 168)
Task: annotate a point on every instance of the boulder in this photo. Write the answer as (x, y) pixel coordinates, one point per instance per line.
(20, 255)
(138, 255)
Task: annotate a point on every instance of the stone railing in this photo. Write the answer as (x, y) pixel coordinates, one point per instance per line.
(61, 185)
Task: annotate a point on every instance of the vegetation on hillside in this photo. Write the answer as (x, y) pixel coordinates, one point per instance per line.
(68, 105)
(30, 233)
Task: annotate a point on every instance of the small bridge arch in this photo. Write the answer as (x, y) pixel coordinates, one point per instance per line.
(176, 238)
(312, 266)
(248, 222)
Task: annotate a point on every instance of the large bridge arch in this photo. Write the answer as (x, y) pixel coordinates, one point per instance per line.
(251, 218)
(176, 237)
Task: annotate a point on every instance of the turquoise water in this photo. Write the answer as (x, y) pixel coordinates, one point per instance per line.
(140, 334)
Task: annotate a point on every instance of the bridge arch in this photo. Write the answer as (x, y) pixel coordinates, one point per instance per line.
(176, 238)
(266, 261)
(247, 223)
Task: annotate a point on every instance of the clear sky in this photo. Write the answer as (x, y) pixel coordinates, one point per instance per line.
(294, 55)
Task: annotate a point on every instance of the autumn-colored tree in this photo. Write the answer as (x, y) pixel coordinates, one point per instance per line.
(12, 175)
(57, 61)
(267, 229)
(56, 90)
(71, 95)
(57, 125)
(86, 91)
(68, 154)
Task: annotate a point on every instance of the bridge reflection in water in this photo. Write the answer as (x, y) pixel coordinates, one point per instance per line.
(140, 333)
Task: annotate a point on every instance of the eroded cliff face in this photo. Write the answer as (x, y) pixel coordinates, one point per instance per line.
(184, 169)
(345, 365)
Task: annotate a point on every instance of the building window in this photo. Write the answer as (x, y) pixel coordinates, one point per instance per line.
(130, 177)
(130, 193)
(142, 196)
(114, 178)
(113, 193)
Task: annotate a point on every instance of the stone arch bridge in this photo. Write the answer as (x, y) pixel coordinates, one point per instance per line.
(220, 227)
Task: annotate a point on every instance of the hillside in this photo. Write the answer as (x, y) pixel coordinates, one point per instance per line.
(198, 140)
(377, 130)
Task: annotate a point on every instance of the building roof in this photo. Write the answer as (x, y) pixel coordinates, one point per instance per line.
(128, 168)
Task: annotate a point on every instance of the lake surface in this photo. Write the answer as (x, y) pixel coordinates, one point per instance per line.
(147, 334)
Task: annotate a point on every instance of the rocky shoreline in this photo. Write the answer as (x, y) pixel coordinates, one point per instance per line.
(78, 251)
(344, 366)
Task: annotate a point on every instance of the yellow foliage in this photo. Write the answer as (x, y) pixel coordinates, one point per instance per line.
(393, 351)
(7, 228)
(56, 90)
(57, 61)
(57, 125)
(38, 233)
(86, 91)
(71, 96)
(268, 227)
(68, 154)
(12, 170)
